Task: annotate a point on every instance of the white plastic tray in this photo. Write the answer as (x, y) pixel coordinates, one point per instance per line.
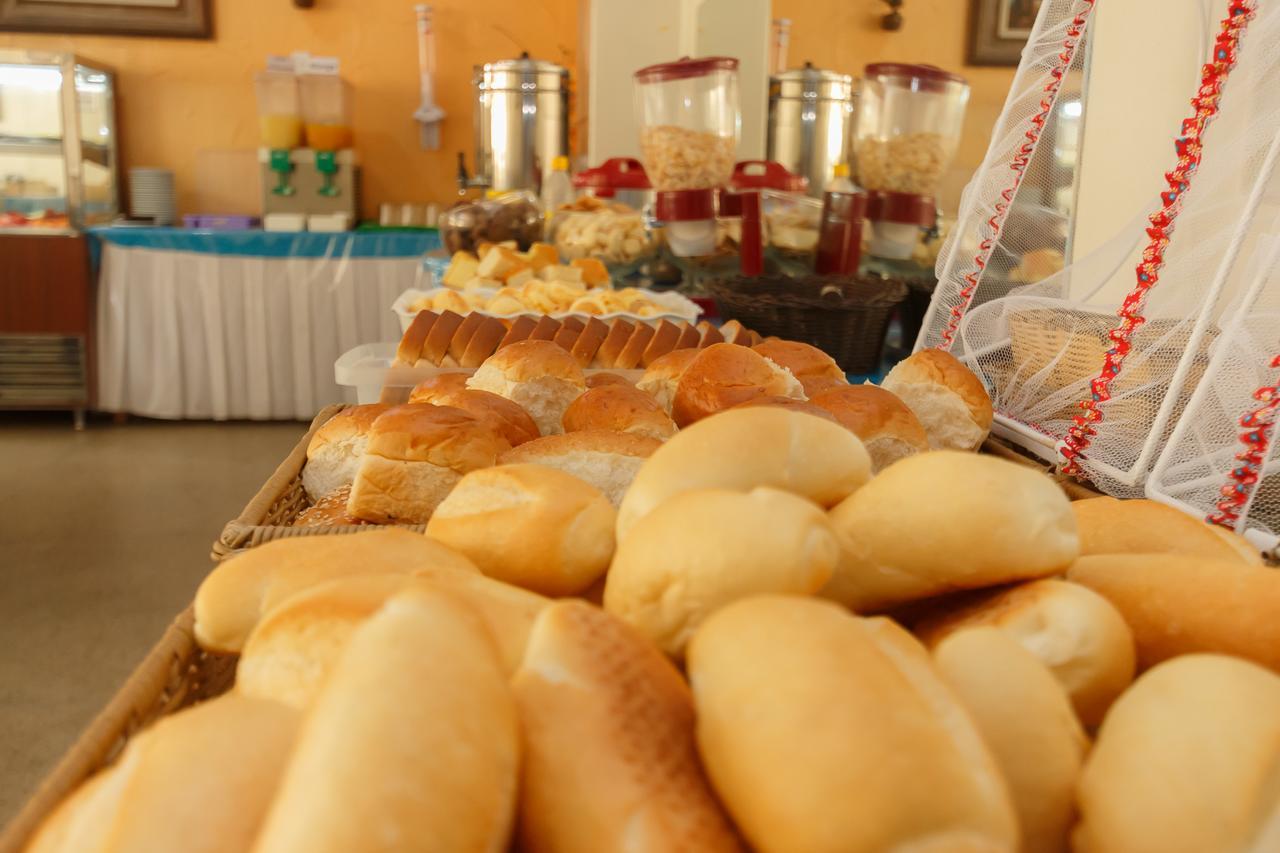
(679, 309)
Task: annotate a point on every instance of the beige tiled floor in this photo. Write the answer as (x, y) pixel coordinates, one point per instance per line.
(104, 535)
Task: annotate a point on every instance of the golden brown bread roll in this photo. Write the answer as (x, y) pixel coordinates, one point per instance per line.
(1110, 526)
(621, 408)
(329, 511)
(333, 455)
(1072, 630)
(946, 396)
(888, 429)
(520, 329)
(435, 349)
(507, 418)
(610, 761)
(409, 350)
(538, 375)
(1178, 605)
(663, 374)
(597, 380)
(620, 332)
(724, 375)
(430, 390)
(822, 731)
(815, 370)
(606, 459)
(412, 742)
(789, 403)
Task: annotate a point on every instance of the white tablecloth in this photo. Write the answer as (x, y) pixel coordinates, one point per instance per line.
(207, 336)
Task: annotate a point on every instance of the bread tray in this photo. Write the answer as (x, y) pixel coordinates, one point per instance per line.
(679, 308)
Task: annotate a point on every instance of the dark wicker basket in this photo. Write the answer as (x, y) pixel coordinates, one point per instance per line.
(845, 317)
(916, 306)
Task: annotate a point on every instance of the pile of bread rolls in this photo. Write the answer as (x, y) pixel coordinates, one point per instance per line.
(757, 637)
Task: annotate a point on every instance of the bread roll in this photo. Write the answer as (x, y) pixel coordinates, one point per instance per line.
(235, 595)
(507, 418)
(411, 744)
(602, 378)
(529, 525)
(701, 549)
(333, 455)
(1110, 526)
(610, 761)
(724, 375)
(409, 350)
(417, 453)
(431, 390)
(888, 429)
(946, 396)
(1071, 629)
(606, 459)
(81, 822)
(538, 375)
(328, 511)
(619, 408)
(741, 449)
(661, 377)
(1178, 605)
(944, 521)
(1027, 722)
(822, 731)
(292, 649)
(789, 403)
(1186, 762)
(815, 370)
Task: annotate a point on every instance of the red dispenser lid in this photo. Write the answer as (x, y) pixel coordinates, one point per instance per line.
(616, 173)
(685, 67)
(766, 175)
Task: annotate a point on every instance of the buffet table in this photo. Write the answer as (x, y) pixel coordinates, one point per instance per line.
(241, 324)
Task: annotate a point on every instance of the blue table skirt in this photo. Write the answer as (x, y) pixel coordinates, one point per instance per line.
(271, 244)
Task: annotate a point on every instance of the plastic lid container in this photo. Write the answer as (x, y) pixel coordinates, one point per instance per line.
(689, 119)
(510, 216)
(608, 231)
(908, 127)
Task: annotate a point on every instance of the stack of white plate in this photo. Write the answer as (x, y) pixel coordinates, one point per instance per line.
(152, 195)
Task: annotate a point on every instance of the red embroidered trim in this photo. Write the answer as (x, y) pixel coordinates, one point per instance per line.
(1019, 166)
(1189, 147)
(1258, 428)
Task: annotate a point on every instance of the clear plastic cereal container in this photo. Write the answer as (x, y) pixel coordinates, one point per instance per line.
(689, 119)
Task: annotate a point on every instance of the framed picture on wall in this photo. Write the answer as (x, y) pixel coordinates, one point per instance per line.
(998, 29)
(155, 18)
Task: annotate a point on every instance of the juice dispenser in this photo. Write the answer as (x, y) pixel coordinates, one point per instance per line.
(689, 120)
(326, 106)
(279, 111)
(908, 128)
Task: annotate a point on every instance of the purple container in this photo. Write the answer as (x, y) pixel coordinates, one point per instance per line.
(213, 222)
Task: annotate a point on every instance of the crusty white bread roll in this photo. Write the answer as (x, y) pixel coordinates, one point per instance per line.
(429, 390)
(1110, 526)
(411, 744)
(621, 408)
(538, 375)
(745, 448)
(601, 378)
(511, 421)
(610, 761)
(724, 375)
(889, 430)
(815, 370)
(792, 403)
(702, 549)
(200, 780)
(944, 521)
(333, 455)
(946, 396)
(1178, 605)
(292, 649)
(1074, 631)
(825, 732)
(1027, 722)
(1186, 762)
(235, 595)
(529, 525)
(663, 375)
(606, 459)
(416, 454)
(329, 511)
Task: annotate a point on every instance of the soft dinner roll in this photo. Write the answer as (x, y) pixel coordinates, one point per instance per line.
(412, 743)
(417, 453)
(744, 448)
(606, 459)
(1186, 763)
(506, 417)
(610, 761)
(888, 429)
(529, 525)
(430, 390)
(724, 375)
(816, 370)
(661, 377)
(335, 450)
(601, 378)
(200, 780)
(538, 375)
(943, 521)
(1026, 720)
(1110, 526)
(235, 595)
(1071, 629)
(328, 511)
(701, 549)
(621, 408)
(946, 396)
(828, 733)
(292, 649)
(1177, 605)
(789, 403)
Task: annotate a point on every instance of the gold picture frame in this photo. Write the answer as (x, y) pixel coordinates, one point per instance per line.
(154, 18)
(998, 30)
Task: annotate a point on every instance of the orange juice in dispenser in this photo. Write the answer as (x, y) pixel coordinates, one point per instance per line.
(326, 106)
(279, 110)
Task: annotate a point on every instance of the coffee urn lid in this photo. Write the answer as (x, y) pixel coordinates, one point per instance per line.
(521, 74)
(811, 84)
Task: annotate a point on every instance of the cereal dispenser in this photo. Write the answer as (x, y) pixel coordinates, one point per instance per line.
(909, 119)
(689, 120)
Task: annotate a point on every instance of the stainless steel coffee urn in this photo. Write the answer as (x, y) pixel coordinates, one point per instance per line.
(521, 123)
(810, 122)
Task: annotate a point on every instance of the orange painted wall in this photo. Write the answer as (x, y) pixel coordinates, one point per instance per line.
(179, 96)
